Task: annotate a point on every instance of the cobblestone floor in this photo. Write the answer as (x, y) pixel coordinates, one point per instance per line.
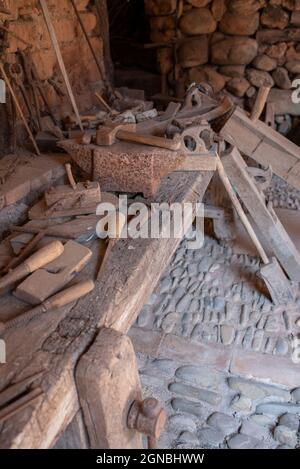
(213, 297)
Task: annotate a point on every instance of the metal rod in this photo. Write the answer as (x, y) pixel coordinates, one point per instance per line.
(17, 104)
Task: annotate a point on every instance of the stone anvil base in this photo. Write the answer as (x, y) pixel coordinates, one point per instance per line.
(125, 167)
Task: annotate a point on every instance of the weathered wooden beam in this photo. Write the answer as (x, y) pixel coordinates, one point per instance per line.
(55, 342)
(108, 382)
(264, 145)
(265, 219)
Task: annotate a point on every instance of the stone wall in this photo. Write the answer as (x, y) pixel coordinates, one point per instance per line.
(26, 20)
(237, 45)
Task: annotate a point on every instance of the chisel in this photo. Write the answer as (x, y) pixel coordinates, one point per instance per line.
(55, 302)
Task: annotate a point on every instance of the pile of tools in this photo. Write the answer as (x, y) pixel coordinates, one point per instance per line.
(28, 91)
(195, 137)
(38, 275)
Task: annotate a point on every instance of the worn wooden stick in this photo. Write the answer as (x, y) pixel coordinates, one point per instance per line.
(99, 66)
(260, 103)
(104, 103)
(15, 407)
(61, 63)
(19, 109)
(70, 176)
(237, 205)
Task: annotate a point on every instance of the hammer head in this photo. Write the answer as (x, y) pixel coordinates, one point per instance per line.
(107, 135)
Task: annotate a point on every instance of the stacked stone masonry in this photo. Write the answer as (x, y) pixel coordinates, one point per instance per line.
(235, 45)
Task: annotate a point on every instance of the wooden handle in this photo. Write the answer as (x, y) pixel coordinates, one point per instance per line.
(44, 255)
(260, 102)
(237, 205)
(70, 176)
(25, 252)
(150, 140)
(69, 295)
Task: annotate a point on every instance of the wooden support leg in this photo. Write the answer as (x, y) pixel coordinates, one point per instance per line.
(108, 383)
(266, 220)
(223, 227)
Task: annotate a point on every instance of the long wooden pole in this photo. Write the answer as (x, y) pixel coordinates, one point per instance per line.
(237, 205)
(60, 60)
(19, 109)
(260, 103)
(99, 66)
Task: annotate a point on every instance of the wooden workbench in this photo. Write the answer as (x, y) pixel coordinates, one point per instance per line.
(55, 342)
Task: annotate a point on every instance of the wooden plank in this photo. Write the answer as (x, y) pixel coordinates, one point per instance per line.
(267, 222)
(283, 102)
(28, 174)
(55, 342)
(121, 300)
(266, 146)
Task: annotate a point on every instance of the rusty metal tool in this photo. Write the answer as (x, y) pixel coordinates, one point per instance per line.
(20, 404)
(60, 60)
(33, 87)
(54, 303)
(14, 390)
(35, 83)
(17, 75)
(37, 260)
(271, 272)
(19, 109)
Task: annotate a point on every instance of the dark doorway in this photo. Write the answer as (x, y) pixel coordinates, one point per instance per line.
(134, 63)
